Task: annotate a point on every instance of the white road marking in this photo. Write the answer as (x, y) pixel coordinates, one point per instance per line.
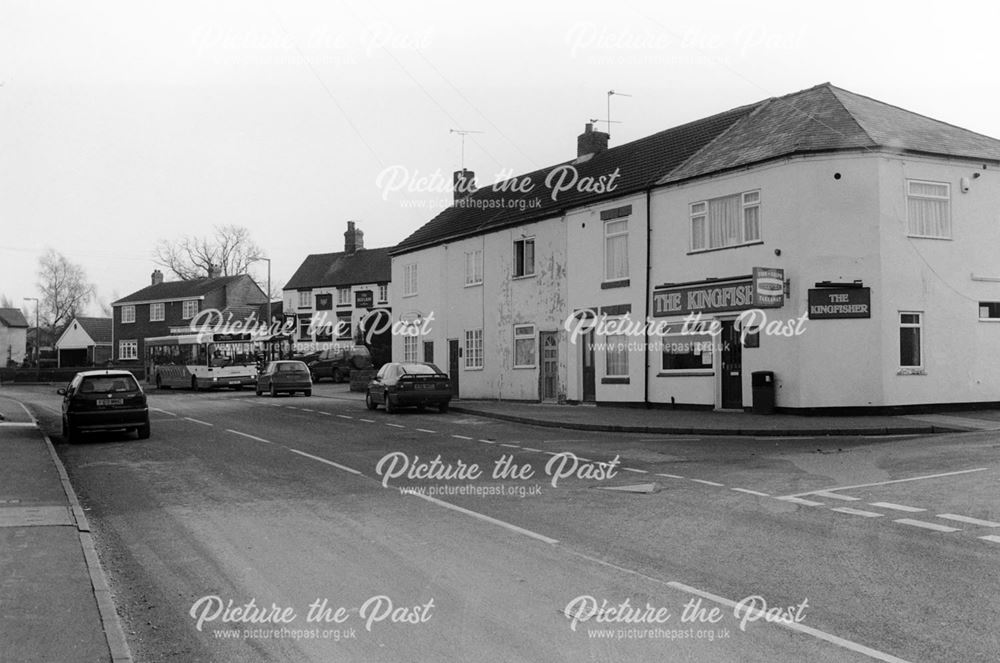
(513, 446)
(198, 421)
(835, 496)
(474, 514)
(971, 521)
(157, 409)
(291, 407)
(396, 425)
(305, 409)
(537, 451)
(751, 492)
(487, 441)
(328, 462)
(462, 437)
(367, 421)
(669, 476)
(424, 430)
(252, 437)
(707, 483)
(926, 525)
(22, 424)
(632, 469)
(793, 626)
(327, 414)
(897, 507)
(344, 416)
(799, 500)
(769, 438)
(886, 483)
(855, 512)
(992, 537)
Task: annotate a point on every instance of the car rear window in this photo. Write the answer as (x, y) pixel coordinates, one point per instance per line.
(108, 384)
(420, 369)
(292, 367)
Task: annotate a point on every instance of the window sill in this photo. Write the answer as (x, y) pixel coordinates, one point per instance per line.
(608, 285)
(522, 277)
(347, 305)
(472, 368)
(474, 285)
(989, 319)
(412, 294)
(615, 380)
(726, 248)
(693, 373)
(532, 367)
(947, 239)
(911, 371)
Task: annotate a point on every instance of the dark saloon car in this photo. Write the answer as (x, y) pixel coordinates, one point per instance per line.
(409, 383)
(337, 363)
(286, 375)
(103, 401)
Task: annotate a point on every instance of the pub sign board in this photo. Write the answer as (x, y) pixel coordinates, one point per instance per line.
(834, 303)
(765, 288)
(364, 299)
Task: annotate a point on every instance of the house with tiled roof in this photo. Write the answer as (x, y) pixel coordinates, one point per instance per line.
(170, 307)
(13, 336)
(822, 249)
(332, 294)
(85, 342)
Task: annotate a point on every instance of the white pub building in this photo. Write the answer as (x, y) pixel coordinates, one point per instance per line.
(850, 247)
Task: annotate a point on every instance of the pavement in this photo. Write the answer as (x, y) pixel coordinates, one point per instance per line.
(55, 604)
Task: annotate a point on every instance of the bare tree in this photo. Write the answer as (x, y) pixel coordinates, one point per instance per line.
(64, 287)
(230, 250)
(5, 302)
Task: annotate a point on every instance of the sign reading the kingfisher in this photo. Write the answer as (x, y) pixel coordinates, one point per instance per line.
(765, 288)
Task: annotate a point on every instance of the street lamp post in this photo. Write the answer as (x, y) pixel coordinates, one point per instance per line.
(38, 337)
(268, 260)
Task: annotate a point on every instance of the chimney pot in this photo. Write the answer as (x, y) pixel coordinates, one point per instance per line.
(464, 184)
(354, 238)
(213, 271)
(156, 278)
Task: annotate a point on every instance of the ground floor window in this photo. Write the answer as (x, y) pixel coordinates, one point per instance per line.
(910, 339)
(474, 348)
(344, 327)
(616, 353)
(524, 346)
(686, 352)
(305, 322)
(989, 310)
(409, 348)
(128, 349)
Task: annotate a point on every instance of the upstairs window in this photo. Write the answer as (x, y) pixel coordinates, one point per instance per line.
(343, 296)
(156, 312)
(383, 292)
(128, 314)
(727, 221)
(189, 308)
(616, 250)
(305, 299)
(474, 267)
(928, 209)
(524, 257)
(410, 279)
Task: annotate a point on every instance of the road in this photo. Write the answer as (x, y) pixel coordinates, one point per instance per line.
(861, 549)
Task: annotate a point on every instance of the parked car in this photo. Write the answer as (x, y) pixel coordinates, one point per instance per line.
(286, 375)
(399, 384)
(337, 363)
(102, 401)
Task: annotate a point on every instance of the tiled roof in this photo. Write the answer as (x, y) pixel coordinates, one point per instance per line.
(12, 317)
(174, 290)
(342, 269)
(827, 118)
(99, 329)
(820, 119)
(639, 163)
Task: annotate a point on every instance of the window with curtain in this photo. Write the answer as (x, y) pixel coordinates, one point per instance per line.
(726, 221)
(616, 353)
(524, 346)
(928, 209)
(410, 279)
(616, 250)
(910, 341)
(474, 348)
(409, 348)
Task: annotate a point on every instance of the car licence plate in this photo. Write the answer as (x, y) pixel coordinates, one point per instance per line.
(425, 386)
(234, 382)
(109, 401)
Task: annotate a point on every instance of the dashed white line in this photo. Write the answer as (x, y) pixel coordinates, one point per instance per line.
(367, 421)
(886, 483)
(537, 451)
(424, 430)
(396, 425)
(305, 409)
(344, 416)
(487, 441)
(291, 407)
(488, 519)
(326, 413)
(749, 492)
(926, 525)
(707, 483)
(513, 446)
(157, 409)
(198, 421)
(897, 507)
(328, 462)
(835, 496)
(462, 437)
(632, 469)
(799, 500)
(856, 512)
(252, 437)
(970, 521)
(992, 538)
(669, 476)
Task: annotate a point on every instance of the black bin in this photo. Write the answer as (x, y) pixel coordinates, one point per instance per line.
(763, 392)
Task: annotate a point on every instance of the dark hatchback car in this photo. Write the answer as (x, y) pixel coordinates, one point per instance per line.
(103, 401)
(286, 375)
(337, 363)
(409, 384)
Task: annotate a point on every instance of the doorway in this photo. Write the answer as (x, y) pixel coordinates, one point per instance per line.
(587, 363)
(732, 366)
(454, 354)
(548, 376)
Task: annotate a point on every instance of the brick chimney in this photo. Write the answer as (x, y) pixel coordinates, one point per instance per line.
(590, 141)
(354, 239)
(213, 271)
(464, 184)
(156, 277)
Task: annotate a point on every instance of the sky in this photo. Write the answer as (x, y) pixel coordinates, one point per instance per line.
(126, 122)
